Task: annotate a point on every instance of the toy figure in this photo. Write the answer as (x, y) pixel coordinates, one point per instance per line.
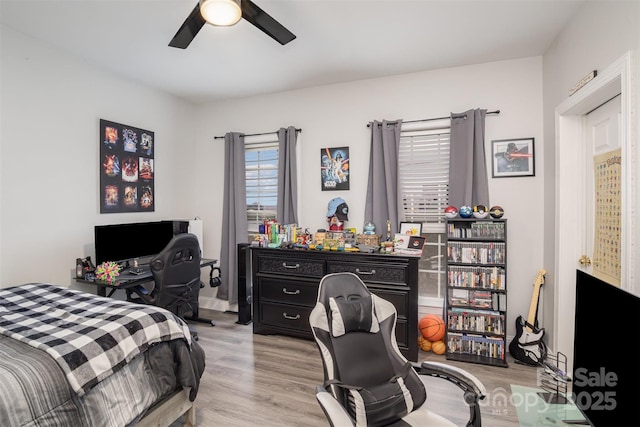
(337, 214)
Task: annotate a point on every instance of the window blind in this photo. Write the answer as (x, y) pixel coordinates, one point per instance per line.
(424, 176)
(261, 171)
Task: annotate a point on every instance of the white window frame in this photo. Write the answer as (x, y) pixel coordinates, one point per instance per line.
(424, 158)
(258, 187)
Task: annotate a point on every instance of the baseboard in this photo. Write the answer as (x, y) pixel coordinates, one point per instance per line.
(213, 303)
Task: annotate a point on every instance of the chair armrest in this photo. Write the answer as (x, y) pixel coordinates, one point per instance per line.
(335, 412)
(472, 388)
(459, 377)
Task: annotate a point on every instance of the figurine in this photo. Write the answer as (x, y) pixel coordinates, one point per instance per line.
(337, 214)
(369, 228)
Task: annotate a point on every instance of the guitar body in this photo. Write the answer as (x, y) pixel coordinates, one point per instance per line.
(527, 346)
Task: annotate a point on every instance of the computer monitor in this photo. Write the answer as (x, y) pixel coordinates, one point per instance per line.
(122, 242)
(606, 372)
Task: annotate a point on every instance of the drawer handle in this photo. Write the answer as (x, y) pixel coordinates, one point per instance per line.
(285, 291)
(285, 265)
(286, 316)
(373, 271)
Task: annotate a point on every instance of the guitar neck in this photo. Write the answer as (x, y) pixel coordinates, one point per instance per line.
(533, 307)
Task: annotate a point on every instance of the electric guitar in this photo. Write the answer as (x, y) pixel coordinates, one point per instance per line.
(527, 345)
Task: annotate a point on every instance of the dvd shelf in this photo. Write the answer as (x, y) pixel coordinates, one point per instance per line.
(476, 277)
(476, 346)
(461, 319)
(476, 303)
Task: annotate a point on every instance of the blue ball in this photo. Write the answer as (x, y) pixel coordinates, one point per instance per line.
(466, 212)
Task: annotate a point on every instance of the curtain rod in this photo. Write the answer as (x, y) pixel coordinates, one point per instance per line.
(256, 134)
(437, 118)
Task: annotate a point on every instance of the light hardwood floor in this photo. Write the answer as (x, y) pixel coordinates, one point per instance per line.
(259, 380)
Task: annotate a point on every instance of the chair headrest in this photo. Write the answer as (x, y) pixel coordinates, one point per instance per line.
(352, 315)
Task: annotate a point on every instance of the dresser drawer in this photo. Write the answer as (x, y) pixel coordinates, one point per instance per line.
(286, 316)
(370, 272)
(288, 291)
(292, 266)
(399, 299)
(402, 334)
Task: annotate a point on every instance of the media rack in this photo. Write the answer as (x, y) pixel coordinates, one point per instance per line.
(476, 303)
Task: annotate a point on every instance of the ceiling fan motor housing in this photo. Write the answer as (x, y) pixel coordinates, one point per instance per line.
(221, 12)
(205, 11)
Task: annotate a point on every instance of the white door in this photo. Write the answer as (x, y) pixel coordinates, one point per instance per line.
(572, 217)
(602, 193)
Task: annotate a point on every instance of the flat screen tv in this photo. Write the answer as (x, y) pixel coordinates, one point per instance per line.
(606, 363)
(121, 242)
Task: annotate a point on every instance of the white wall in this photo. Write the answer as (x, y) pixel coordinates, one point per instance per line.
(598, 35)
(337, 115)
(51, 105)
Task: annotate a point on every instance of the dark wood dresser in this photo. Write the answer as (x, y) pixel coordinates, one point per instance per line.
(285, 287)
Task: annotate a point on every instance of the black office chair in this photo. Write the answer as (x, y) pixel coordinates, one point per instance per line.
(176, 276)
(368, 382)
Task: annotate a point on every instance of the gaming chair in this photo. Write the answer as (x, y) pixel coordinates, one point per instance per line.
(367, 381)
(176, 273)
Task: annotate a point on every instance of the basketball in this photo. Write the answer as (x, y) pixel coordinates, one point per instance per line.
(438, 347)
(431, 327)
(424, 344)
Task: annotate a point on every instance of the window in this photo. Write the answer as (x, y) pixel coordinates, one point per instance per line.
(261, 164)
(424, 186)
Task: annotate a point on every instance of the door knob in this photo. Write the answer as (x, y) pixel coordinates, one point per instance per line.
(585, 261)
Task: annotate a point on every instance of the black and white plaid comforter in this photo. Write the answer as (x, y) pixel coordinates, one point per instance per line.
(90, 337)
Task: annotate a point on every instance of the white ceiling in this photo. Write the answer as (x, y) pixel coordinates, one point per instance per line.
(337, 41)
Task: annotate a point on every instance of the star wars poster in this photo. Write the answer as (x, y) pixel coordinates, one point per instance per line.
(126, 168)
(334, 168)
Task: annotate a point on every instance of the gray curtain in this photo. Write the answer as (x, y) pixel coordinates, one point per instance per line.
(287, 176)
(383, 196)
(468, 182)
(234, 215)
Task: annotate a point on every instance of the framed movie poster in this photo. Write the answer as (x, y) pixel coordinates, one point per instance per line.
(334, 168)
(126, 168)
(513, 157)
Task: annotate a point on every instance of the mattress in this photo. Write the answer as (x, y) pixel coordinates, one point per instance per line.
(35, 390)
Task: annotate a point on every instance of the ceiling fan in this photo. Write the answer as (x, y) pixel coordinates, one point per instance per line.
(238, 8)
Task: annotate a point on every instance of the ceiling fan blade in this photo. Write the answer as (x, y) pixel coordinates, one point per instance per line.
(261, 19)
(190, 27)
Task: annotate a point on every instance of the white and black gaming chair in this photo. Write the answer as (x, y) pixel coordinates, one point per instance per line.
(368, 382)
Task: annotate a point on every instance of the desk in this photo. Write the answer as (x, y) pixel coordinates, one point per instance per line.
(533, 411)
(127, 280)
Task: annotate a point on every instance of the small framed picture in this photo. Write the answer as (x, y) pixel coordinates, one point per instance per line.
(401, 241)
(416, 242)
(513, 157)
(411, 228)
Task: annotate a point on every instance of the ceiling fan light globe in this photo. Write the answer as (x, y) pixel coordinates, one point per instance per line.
(221, 12)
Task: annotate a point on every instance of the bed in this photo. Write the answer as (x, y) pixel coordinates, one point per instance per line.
(73, 358)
